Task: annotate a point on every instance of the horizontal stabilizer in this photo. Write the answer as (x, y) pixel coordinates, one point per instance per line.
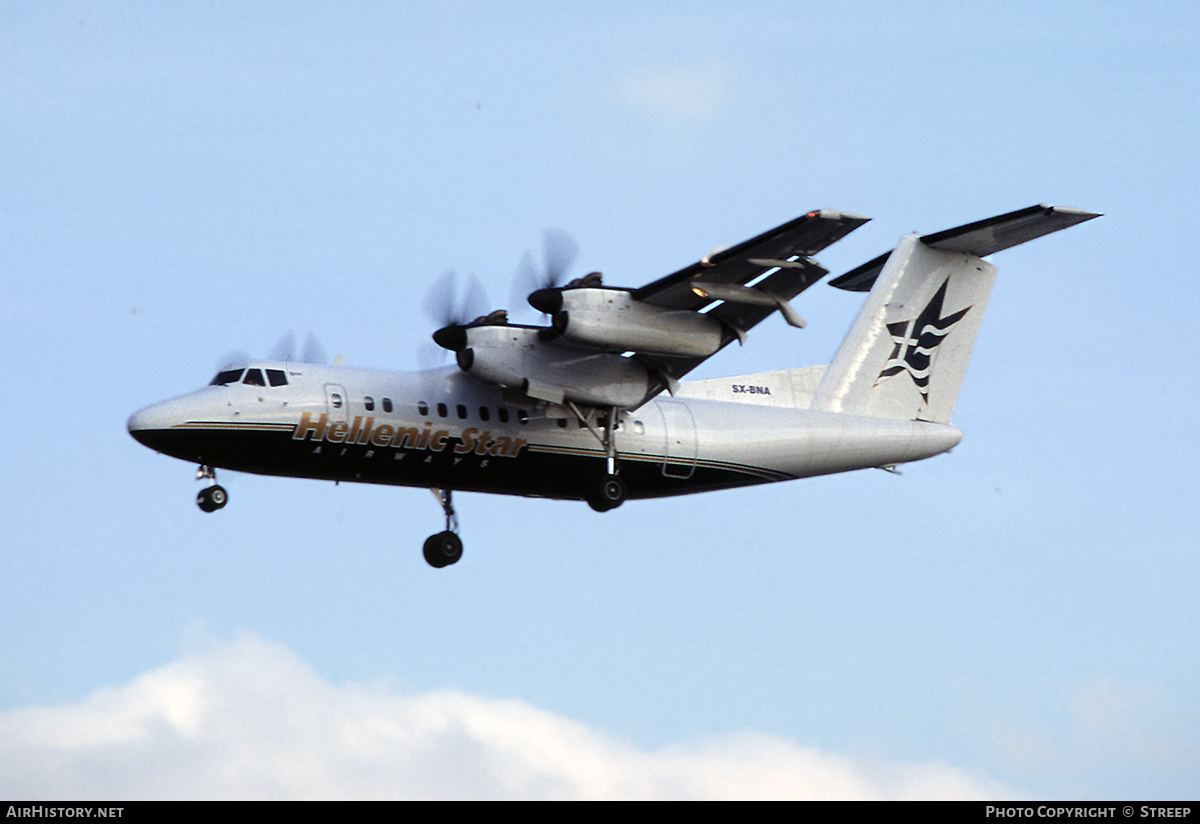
(982, 238)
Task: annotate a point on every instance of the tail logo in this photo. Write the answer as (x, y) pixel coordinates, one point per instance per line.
(916, 340)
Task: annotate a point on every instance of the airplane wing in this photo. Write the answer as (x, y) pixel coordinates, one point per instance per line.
(799, 238)
(777, 262)
(982, 238)
(618, 348)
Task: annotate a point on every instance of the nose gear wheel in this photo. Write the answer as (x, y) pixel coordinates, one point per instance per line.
(214, 496)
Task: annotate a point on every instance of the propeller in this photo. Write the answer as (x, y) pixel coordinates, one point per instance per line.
(456, 307)
(232, 357)
(559, 250)
(283, 350)
(313, 352)
(449, 304)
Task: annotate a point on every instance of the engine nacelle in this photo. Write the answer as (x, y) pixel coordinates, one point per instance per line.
(612, 319)
(514, 357)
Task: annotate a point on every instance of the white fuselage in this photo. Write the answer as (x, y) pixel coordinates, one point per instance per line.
(446, 430)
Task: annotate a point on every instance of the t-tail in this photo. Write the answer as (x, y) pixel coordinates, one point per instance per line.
(905, 355)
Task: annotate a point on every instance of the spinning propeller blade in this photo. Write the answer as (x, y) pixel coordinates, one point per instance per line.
(559, 251)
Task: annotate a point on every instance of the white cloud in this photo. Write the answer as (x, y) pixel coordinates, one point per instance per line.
(249, 720)
(1103, 737)
(695, 93)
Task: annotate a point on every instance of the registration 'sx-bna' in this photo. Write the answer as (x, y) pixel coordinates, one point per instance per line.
(592, 407)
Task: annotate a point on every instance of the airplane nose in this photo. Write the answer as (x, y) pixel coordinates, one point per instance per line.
(148, 426)
(164, 428)
(140, 424)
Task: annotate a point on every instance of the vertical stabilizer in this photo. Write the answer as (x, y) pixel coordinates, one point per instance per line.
(905, 356)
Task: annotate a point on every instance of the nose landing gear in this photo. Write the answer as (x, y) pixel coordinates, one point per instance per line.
(446, 547)
(212, 497)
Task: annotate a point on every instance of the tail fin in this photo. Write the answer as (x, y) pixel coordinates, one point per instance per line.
(905, 356)
(906, 353)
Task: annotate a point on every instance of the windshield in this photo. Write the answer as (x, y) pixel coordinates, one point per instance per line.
(253, 377)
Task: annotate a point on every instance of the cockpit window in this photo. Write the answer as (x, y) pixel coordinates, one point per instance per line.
(253, 377)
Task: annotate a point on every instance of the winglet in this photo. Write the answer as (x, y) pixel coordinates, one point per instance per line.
(981, 238)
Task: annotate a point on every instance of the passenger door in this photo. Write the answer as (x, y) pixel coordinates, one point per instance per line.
(679, 428)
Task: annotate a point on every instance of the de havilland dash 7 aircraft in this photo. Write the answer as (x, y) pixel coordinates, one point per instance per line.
(592, 407)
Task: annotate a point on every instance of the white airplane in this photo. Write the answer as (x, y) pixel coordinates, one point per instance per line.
(576, 410)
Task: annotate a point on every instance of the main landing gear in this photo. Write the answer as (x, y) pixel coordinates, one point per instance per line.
(446, 547)
(214, 496)
(608, 492)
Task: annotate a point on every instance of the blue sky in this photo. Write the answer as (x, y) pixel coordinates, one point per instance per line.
(1015, 618)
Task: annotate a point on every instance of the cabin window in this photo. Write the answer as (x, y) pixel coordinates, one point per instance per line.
(276, 377)
(387, 405)
(369, 403)
(562, 423)
(483, 413)
(462, 412)
(254, 377)
(227, 377)
(522, 416)
(442, 410)
(422, 408)
(503, 414)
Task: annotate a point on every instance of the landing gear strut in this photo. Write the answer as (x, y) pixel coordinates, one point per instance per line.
(608, 492)
(444, 548)
(214, 496)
